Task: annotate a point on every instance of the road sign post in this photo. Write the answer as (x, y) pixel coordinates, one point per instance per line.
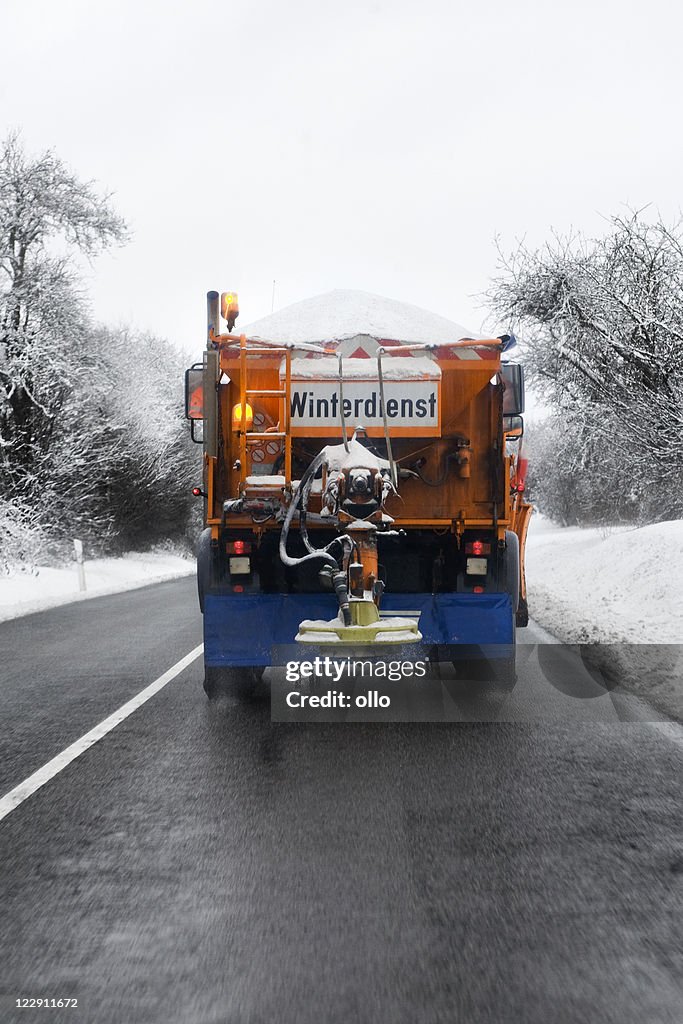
(78, 548)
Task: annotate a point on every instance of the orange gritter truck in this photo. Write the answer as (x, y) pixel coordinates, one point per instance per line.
(362, 495)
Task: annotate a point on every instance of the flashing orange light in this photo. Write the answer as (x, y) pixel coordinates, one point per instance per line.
(230, 309)
(237, 417)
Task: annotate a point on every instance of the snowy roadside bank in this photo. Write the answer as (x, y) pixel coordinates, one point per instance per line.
(25, 593)
(621, 589)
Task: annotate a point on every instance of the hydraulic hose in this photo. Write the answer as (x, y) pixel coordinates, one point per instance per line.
(343, 538)
(322, 555)
(339, 580)
(303, 495)
(442, 479)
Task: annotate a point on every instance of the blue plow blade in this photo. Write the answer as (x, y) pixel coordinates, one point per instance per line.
(247, 629)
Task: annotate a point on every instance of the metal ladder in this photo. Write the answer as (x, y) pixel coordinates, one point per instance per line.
(284, 394)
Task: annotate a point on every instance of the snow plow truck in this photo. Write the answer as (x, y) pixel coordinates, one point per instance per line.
(362, 494)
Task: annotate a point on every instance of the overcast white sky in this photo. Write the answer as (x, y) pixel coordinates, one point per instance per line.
(379, 146)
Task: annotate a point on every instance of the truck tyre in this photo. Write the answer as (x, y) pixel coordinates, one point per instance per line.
(204, 565)
(522, 617)
(507, 673)
(230, 682)
(510, 574)
(505, 670)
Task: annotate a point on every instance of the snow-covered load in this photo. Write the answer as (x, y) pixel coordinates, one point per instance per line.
(363, 485)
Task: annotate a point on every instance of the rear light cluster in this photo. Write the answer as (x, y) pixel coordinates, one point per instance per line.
(239, 562)
(238, 547)
(476, 564)
(477, 547)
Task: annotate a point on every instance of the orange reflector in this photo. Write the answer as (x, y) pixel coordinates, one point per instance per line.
(195, 409)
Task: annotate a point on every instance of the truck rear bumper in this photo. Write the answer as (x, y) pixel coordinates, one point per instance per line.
(253, 629)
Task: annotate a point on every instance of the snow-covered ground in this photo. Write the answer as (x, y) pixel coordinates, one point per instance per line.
(621, 587)
(22, 593)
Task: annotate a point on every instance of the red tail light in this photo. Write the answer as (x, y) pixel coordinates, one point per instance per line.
(477, 547)
(477, 590)
(238, 547)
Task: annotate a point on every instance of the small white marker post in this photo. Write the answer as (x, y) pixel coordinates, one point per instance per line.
(78, 548)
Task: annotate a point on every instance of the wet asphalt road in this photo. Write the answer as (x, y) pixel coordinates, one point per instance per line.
(200, 864)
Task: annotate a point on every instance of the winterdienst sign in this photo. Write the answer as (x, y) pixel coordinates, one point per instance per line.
(411, 396)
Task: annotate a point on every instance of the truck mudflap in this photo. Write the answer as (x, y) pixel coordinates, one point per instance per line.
(255, 629)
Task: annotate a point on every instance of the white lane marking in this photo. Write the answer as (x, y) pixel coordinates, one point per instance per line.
(29, 786)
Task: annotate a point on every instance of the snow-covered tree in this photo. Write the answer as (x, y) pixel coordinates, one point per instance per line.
(120, 465)
(47, 215)
(93, 443)
(148, 462)
(602, 326)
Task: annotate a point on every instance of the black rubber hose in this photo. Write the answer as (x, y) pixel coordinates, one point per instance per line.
(305, 487)
(341, 590)
(319, 556)
(442, 478)
(338, 578)
(303, 495)
(303, 527)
